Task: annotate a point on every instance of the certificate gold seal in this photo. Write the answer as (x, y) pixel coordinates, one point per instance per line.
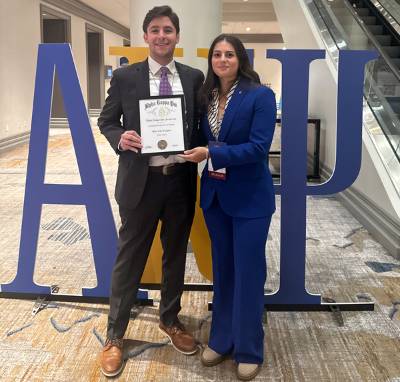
(162, 145)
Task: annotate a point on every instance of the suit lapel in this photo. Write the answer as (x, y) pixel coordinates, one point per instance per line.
(142, 80)
(207, 128)
(231, 110)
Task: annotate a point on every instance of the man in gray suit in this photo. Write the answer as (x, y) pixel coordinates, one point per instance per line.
(150, 189)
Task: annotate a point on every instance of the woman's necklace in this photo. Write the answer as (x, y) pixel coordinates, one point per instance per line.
(221, 106)
(222, 99)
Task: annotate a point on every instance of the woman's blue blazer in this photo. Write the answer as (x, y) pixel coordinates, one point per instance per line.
(247, 129)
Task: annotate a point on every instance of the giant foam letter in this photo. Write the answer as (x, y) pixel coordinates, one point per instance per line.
(92, 193)
(293, 188)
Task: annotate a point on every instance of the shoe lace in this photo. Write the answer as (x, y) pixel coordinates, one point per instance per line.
(178, 328)
(114, 342)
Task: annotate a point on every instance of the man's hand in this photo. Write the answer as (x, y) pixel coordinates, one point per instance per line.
(196, 155)
(130, 140)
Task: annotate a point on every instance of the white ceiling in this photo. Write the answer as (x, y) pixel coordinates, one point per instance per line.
(251, 27)
(258, 15)
(247, 2)
(118, 10)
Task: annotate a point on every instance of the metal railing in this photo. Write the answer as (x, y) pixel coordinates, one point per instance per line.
(342, 28)
(375, 43)
(390, 10)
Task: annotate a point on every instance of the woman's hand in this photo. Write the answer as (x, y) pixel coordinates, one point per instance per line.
(196, 155)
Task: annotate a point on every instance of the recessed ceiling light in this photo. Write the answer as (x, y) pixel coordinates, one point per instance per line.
(248, 29)
(245, 1)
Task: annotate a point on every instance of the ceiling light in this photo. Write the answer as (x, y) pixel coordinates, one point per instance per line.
(248, 29)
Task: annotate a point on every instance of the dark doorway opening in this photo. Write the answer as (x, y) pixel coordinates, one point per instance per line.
(55, 28)
(95, 69)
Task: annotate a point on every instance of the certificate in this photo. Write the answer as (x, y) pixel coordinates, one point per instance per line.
(162, 126)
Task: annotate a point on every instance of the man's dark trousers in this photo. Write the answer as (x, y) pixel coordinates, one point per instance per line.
(146, 196)
(166, 198)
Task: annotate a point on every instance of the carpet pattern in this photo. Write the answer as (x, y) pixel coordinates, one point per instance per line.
(61, 341)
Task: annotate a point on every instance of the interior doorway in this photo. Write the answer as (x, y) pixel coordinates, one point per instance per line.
(55, 28)
(95, 68)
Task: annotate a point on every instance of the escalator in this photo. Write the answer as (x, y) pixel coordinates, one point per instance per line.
(379, 23)
(372, 25)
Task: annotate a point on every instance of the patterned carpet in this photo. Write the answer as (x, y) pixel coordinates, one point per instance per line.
(61, 342)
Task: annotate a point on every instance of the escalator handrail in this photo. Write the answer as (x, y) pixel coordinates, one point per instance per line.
(318, 5)
(322, 25)
(375, 4)
(374, 41)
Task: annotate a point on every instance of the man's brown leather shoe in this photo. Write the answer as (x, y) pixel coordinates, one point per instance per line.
(181, 340)
(111, 360)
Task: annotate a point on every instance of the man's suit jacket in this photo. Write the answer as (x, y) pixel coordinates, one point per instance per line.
(128, 85)
(247, 129)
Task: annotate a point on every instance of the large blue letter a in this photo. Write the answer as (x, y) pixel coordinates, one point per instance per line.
(91, 193)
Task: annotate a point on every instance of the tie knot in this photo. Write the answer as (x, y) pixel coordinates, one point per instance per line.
(165, 86)
(164, 71)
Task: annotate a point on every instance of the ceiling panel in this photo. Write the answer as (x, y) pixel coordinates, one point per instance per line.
(251, 27)
(247, 7)
(118, 10)
(247, 2)
(258, 15)
(248, 11)
(248, 16)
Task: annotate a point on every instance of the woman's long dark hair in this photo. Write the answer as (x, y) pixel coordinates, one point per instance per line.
(212, 81)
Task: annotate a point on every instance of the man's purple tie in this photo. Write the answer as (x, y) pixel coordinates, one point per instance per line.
(165, 87)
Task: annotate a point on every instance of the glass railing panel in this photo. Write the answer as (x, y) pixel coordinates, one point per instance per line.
(340, 28)
(352, 34)
(382, 84)
(379, 138)
(390, 9)
(384, 100)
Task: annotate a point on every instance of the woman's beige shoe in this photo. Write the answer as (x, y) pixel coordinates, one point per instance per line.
(210, 357)
(247, 371)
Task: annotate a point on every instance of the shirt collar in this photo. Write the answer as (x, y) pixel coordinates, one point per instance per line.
(154, 66)
(214, 92)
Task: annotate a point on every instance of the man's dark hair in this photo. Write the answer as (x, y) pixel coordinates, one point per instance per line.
(164, 10)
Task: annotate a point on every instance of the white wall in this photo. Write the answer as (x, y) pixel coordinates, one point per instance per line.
(297, 34)
(111, 39)
(78, 44)
(270, 71)
(19, 39)
(78, 37)
(19, 36)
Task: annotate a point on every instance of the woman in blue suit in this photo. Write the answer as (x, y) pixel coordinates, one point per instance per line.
(237, 198)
